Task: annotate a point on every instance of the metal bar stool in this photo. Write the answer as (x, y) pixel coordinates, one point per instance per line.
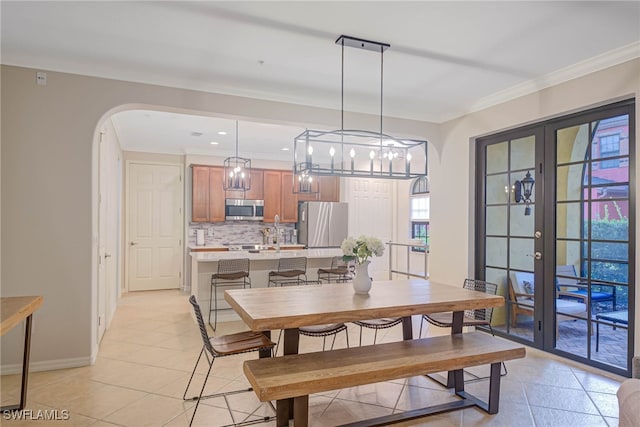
(475, 317)
(290, 271)
(340, 271)
(225, 345)
(231, 272)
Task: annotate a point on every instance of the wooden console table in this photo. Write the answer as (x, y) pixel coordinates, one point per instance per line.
(12, 311)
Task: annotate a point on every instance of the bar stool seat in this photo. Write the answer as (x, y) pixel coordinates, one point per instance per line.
(340, 271)
(290, 271)
(231, 272)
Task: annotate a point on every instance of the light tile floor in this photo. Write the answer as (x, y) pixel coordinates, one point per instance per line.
(148, 352)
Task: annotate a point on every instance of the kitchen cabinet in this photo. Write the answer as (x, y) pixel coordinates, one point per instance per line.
(329, 190)
(207, 195)
(289, 202)
(200, 194)
(216, 195)
(278, 196)
(256, 192)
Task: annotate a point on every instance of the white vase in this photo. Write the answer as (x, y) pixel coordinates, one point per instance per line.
(362, 282)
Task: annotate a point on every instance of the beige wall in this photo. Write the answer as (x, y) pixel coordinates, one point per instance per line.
(48, 190)
(452, 169)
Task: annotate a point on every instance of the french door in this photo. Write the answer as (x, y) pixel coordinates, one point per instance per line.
(561, 247)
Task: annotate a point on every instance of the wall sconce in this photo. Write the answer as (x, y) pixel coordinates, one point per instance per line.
(522, 192)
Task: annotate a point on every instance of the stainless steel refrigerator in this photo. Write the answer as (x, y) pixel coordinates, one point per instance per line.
(322, 224)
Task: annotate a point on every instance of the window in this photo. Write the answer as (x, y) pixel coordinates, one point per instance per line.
(609, 147)
(419, 211)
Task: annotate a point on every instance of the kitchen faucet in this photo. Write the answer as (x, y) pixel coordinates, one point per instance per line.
(276, 224)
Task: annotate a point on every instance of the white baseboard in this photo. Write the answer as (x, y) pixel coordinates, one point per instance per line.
(47, 365)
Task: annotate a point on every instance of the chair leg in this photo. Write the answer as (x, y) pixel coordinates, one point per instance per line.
(375, 337)
(421, 323)
(184, 396)
(360, 344)
(210, 303)
(215, 302)
(346, 333)
(278, 342)
(204, 383)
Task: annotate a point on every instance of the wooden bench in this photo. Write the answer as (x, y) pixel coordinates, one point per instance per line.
(299, 375)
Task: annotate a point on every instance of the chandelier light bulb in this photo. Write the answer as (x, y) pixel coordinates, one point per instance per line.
(310, 150)
(352, 153)
(332, 151)
(408, 157)
(372, 154)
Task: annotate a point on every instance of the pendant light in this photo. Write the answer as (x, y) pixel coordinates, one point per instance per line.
(237, 171)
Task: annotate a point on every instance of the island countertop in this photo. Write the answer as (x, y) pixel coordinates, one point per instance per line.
(266, 255)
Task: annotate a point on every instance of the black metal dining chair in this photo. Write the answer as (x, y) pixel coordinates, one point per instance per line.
(222, 346)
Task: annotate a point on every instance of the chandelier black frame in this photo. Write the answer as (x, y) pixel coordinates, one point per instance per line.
(237, 171)
(358, 153)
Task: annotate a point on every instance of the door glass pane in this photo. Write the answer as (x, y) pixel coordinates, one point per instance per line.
(521, 254)
(497, 220)
(568, 224)
(572, 144)
(499, 277)
(523, 153)
(496, 251)
(522, 225)
(570, 182)
(497, 159)
(497, 189)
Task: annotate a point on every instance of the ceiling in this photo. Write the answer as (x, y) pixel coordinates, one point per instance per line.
(446, 58)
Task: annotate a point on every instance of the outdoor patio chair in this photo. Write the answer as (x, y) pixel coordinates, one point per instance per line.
(570, 286)
(220, 346)
(521, 300)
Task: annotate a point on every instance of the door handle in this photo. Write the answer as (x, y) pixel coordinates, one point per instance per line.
(133, 243)
(107, 256)
(537, 255)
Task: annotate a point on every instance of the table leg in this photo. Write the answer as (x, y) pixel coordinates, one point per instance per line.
(407, 328)
(290, 346)
(455, 379)
(265, 352)
(25, 369)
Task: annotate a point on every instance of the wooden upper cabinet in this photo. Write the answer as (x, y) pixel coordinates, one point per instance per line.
(216, 195)
(289, 203)
(207, 194)
(256, 192)
(272, 199)
(200, 194)
(329, 189)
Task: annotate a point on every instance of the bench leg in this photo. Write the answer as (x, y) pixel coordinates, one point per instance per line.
(301, 411)
(494, 388)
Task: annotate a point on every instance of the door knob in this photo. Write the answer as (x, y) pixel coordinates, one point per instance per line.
(538, 255)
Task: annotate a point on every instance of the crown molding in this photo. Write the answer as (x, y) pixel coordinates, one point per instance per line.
(582, 68)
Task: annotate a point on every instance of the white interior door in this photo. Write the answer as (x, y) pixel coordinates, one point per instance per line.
(154, 224)
(370, 214)
(102, 236)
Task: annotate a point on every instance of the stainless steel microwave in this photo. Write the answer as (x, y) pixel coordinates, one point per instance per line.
(241, 209)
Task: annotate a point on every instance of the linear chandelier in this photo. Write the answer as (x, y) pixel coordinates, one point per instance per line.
(237, 171)
(358, 153)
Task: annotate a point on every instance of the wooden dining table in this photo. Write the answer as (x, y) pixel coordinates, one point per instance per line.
(289, 308)
(14, 310)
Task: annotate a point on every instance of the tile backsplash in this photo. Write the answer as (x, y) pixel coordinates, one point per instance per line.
(236, 232)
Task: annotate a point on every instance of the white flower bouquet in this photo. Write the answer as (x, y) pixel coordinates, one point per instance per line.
(361, 249)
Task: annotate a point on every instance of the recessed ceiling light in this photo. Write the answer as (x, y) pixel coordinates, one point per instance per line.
(214, 143)
(285, 148)
(222, 132)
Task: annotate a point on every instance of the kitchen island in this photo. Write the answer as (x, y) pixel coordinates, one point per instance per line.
(204, 264)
